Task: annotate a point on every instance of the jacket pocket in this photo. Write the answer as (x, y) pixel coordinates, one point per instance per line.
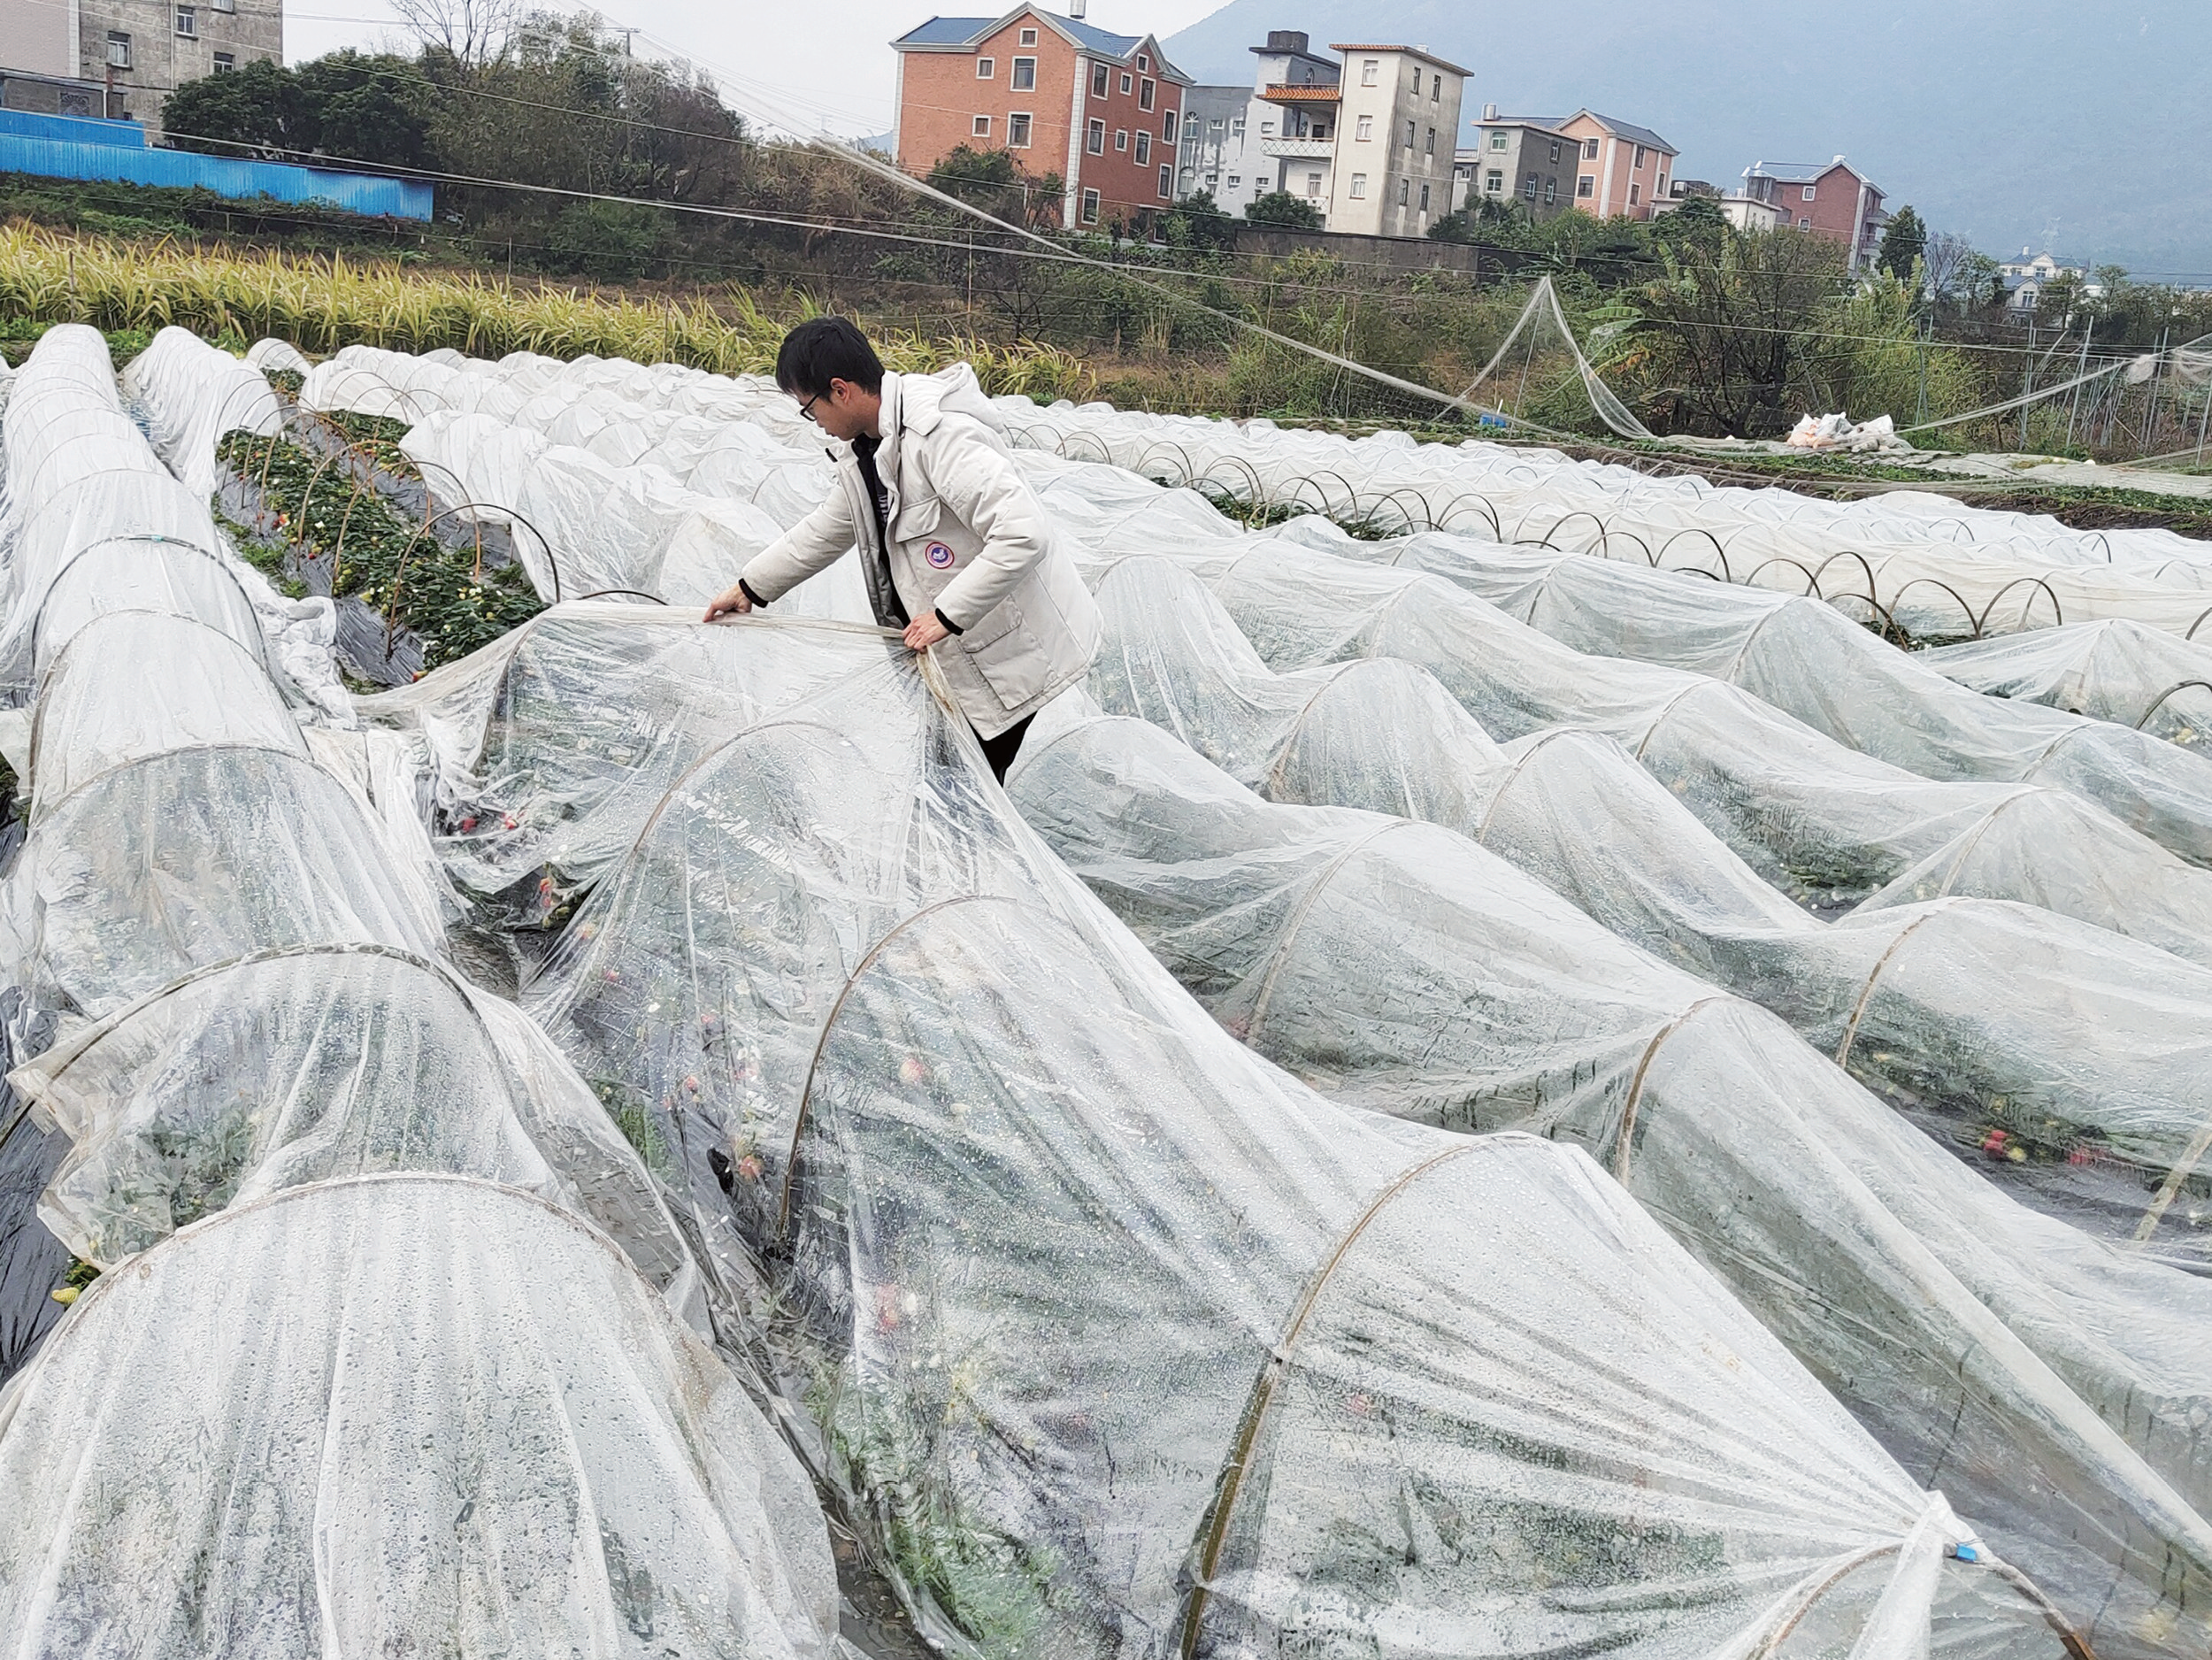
(1007, 653)
(916, 518)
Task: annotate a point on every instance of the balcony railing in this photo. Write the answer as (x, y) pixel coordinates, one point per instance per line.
(1299, 148)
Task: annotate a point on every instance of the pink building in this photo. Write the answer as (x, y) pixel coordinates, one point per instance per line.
(1063, 96)
(1831, 199)
(1622, 169)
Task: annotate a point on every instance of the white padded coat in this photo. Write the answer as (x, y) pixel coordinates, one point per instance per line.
(967, 538)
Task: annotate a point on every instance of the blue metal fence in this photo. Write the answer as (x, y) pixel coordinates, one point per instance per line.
(73, 129)
(113, 159)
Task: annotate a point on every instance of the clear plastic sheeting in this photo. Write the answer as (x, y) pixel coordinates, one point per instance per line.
(1827, 826)
(2066, 1059)
(269, 355)
(552, 746)
(192, 393)
(2120, 671)
(582, 525)
(1808, 660)
(292, 1067)
(1128, 1343)
(1936, 566)
(369, 1417)
(1398, 965)
(296, 1144)
(214, 694)
(91, 514)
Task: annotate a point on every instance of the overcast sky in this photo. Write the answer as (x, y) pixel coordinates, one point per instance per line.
(801, 63)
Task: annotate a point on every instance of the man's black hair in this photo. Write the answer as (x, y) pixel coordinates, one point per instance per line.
(826, 348)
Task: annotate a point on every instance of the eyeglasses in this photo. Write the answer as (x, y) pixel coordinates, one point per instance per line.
(807, 408)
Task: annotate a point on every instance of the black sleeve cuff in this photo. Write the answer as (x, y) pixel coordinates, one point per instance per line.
(747, 590)
(950, 627)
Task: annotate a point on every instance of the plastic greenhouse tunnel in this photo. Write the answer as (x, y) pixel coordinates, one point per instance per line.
(985, 1139)
(325, 1198)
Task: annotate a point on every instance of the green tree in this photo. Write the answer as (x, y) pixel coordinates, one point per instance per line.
(994, 181)
(1280, 207)
(1197, 224)
(1904, 240)
(259, 108)
(609, 242)
(367, 107)
(1697, 224)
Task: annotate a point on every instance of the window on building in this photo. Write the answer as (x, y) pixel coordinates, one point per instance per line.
(1424, 198)
(1804, 225)
(1365, 133)
(1267, 129)
(1586, 187)
(980, 128)
(1501, 141)
(1090, 207)
(1359, 188)
(1127, 82)
(1405, 191)
(1589, 149)
(1431, 141)
(1143, 62)
(1018, 132)
(189, 22)
(1494, 182)
(1320, 129)
(1313, 184)
(1024, 76)
(1098, 80)
(118, 50)
(1663, 184)
(1633, 194)
(1167, 126)
(1029, 37)
(1369, 70)
(1551, 190)
(985, 67)
(225, 60)
(1167, 183)
(224, 6)
(1213, 123)
(1554, 156)
(1413, 129)
(1809, 192)
(1236, 127)
(1144, 149)
(1436, 88)
(1146, 92)
(1640, 154)
(1236, 181)
(1528, 189)
(1095, 137)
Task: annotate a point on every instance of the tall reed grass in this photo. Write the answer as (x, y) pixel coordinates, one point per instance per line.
(322, 302)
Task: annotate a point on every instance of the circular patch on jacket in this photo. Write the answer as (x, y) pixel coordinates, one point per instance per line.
(938, 555)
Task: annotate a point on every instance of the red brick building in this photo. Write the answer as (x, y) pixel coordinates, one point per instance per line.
(1103, 110)
(1831, 199)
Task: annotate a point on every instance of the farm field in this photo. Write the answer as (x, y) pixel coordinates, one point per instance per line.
(1552, 1053)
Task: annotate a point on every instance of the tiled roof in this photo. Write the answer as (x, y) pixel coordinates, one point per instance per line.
(1410, 52)
(1797, 172)
(945, 32)
(962, 31)
(1628, 130)
(1304, 95)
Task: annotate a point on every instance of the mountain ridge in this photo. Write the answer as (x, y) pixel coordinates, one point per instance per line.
(2032, 122)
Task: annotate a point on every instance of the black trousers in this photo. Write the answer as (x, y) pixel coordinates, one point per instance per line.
(1000, 751)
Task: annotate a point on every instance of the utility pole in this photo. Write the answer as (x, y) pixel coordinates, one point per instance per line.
(2082, 369)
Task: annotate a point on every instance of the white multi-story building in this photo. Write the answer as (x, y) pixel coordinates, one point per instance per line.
(1234, 137)
(1367, 142)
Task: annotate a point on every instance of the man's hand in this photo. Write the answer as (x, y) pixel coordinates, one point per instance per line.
(923, 632)
(735, 602)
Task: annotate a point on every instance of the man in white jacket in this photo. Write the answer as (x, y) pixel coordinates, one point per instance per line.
(953, 547)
